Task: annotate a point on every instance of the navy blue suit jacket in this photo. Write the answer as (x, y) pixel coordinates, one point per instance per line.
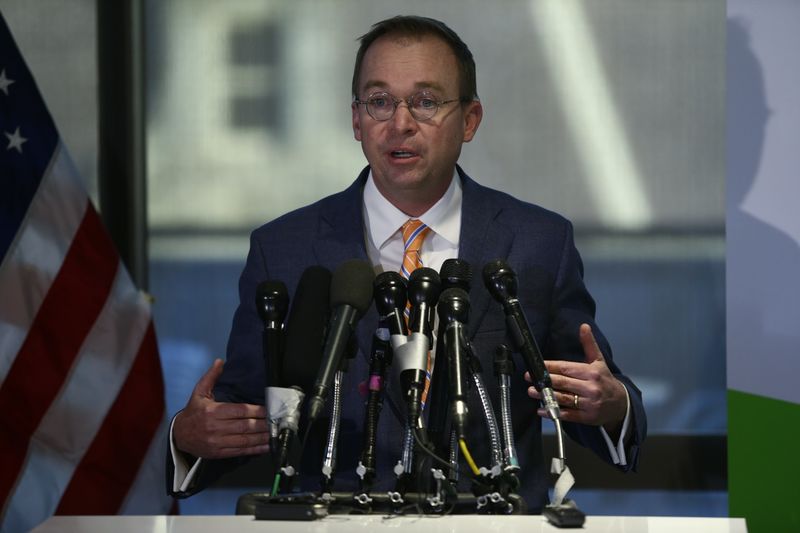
(536, 243)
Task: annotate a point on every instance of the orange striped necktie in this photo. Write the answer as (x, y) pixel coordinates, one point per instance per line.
(414, 233)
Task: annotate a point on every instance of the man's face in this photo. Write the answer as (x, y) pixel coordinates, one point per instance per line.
(412, 162)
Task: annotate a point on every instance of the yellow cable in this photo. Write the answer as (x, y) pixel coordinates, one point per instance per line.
(470, 461)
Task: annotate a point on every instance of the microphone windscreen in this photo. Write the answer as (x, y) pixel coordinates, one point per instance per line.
(305, 328)
(500, 280)
(272, 301)
(454, 305)
(492, 268)
(352, 285)
(456, 273)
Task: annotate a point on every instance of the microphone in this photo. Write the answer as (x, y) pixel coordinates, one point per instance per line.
(390, 300)
(380, 358)
(501, 281)
(351, 294)
(304, 338)
(305, 328)
(454, 273)
(503, 368)
(272, 303)
(412, 357)
(454, 312)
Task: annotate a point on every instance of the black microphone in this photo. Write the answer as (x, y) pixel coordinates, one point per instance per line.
(351, 294)
(454, 313)
(412, 357)
(272, 303)
(501, 281)
(305, 328)
(304, 338)
(390, 300)
(454, 273)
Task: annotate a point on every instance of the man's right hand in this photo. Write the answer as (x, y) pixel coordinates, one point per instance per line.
(214, 430)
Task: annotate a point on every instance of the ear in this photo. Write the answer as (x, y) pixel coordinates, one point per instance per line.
(472, 119)
(356, 121)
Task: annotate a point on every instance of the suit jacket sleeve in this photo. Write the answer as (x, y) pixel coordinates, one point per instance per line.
(572, 305)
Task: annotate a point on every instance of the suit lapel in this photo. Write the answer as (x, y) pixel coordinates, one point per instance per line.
(341, 227)
(341, 237)
(482, 239)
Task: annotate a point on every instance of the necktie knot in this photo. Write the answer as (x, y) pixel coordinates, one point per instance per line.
(414, 233)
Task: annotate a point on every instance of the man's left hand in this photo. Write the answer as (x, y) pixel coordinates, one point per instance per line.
(587, 392)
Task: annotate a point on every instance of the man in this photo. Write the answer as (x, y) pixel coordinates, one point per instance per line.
(414, 104)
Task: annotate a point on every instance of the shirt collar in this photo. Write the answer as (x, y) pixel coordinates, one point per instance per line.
(384, 219)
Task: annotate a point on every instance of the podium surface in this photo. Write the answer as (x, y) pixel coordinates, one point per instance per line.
(370, 523)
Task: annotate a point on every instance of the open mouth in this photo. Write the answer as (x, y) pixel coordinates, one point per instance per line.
(402, 154)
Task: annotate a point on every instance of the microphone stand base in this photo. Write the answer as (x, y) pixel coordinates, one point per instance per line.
(310, 506)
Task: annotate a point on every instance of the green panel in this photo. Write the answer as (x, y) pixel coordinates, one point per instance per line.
(764, 462)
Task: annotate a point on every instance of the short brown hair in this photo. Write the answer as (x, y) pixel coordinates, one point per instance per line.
(414, 26)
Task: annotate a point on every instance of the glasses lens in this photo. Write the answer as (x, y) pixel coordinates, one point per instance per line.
(423, 106)
(380, 106)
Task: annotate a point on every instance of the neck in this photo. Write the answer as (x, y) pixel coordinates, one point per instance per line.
(413, 202)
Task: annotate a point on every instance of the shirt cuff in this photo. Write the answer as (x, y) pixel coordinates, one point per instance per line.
(183, 474)
(617, 451)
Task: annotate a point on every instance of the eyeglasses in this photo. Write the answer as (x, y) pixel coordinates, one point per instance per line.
(423, 106)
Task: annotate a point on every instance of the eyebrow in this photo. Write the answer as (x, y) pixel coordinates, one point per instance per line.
(419, 86)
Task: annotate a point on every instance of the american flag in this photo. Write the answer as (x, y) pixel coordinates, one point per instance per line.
(82, 416)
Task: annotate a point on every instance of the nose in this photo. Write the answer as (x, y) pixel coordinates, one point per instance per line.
(403, 120)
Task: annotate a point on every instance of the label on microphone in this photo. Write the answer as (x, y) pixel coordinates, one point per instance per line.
(283, 405)
(413, 355)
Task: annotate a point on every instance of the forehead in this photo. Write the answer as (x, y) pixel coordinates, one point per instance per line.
(402, 64)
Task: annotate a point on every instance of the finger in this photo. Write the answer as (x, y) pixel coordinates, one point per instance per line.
(567, 369)
(238, 426)
(205, 385)
(226, 453)
(252, 426)
(565, 399)
(241, 441)
(591, 350)
(225, 410)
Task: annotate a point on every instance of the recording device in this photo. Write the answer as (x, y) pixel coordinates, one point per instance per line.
(390, 299)
(272, 303)
(564, 516)
(305, 328)
(305, 334)
(350, 296)
(411, 358)
(501, 281)
(454, 273)
(454, 313)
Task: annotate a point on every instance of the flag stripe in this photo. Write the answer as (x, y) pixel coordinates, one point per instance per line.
(127, 431)
(147, 492)
(35, 258)
(67, 429)
(65, 317)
